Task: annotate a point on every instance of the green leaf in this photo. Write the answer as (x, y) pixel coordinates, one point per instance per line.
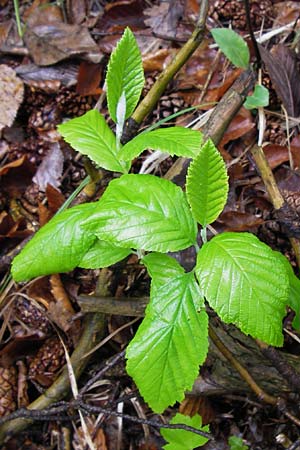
(245, 283)
(233, 46)
(294, 294)
(207, 184)
(103, 254)
(177, 141)
(90, 135)
(236, 443)
(259, 98)
(57, 247)
(171, 343)
(125, 75)
(144, 212)
(181, 439)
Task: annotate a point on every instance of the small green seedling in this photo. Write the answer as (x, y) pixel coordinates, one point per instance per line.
(181, 439)
(236, 443)
(241, 278)
(235, 48)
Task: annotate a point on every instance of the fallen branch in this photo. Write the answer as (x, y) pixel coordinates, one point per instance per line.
(93, 331)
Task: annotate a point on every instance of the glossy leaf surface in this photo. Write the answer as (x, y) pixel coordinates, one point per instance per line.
(171, 343)
(144, 212)
(57, 247)
(177, 141)
(125, 74)
(90, 135)
(207, 184)
(245, 283)
(103, 254)
(233, 46)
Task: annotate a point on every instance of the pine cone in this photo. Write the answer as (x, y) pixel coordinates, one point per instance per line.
(8, 390)
(32, 316)
(233, 11)
(48, 361)
(274, 132)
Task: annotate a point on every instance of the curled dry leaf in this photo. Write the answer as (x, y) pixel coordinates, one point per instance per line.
(49, 44)
(276, 154)
(11, 95)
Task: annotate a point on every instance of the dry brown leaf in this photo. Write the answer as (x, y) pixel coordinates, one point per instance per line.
(286, 12)
(295, 149)
(11, 95)
(55, 198)
(48, 79)
(196, 404)
(239, 221)
(89, 79)
(276, 154)
(163, 18)
(10, 41)
(59, 293)
(156, 61)
(241, 124)
(76, 11)
(123, 13)
(283, 71)
(49, 44)
(16, 176)
(61, 311)
(51, 168)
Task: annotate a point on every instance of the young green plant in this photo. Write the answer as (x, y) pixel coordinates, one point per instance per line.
(241, 278)
(235, 48)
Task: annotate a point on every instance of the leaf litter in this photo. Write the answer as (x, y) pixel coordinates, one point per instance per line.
(59, 48)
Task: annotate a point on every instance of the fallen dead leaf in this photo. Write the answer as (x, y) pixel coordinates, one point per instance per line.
(163, 18)
(49, 44)
(276, 154)
(156, 61)
(89, 79)
(283, 71)
(51, 168)
(48, 79)
(241, 124)
(42, 12)
(11, 95)
(239, 221)
(76, 11)
(16, 176)
(295, 149)
(286, 12)
(55, 198)
(123, 13)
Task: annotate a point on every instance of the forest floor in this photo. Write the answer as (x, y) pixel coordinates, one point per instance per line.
(55, 72)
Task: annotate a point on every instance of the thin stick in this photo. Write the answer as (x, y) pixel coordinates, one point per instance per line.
(272, 189)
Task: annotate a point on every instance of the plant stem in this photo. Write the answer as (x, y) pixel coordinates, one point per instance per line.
(148, 103)
(218, 121)
(18, 19)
